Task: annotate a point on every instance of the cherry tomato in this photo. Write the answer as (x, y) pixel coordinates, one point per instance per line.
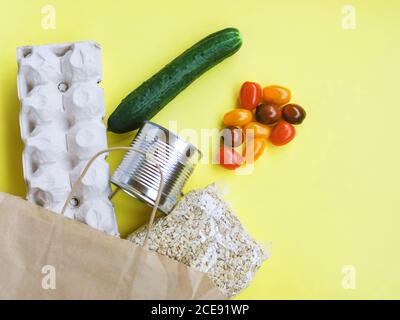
(257, 130)
(277, 95)
(250, 95)
(268, 113)
(254, 149)
(293, 113)
(282, 133)
(229, 158)
(238, 117)
(232, 136)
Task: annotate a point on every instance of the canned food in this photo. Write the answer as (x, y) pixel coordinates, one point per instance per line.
(139, 177)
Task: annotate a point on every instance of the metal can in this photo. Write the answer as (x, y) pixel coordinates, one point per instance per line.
(139, 177)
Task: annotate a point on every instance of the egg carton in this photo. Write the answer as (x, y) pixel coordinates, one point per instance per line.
(61, 121)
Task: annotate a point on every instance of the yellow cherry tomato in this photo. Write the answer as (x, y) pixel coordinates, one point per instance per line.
(238, 117)
(254, 149)
(256, 130)
(277, 95)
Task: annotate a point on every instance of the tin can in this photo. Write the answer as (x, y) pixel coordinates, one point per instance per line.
(139, 177)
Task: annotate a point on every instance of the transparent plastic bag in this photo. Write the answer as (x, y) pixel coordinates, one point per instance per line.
(203, 232)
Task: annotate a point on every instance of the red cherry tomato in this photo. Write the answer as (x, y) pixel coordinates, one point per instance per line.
(250, 95)
(229, 158)
(282, 133)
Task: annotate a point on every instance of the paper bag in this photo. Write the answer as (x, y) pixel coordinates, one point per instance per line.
(47, 256)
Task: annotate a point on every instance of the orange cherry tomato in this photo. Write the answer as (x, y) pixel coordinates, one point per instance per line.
(257, 130)
(238, 117)
(277, 95)
(254, 149)
(282, 133)
(229, 158)
(250, 95)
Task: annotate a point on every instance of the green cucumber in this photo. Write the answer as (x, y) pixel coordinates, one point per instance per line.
(150, 97)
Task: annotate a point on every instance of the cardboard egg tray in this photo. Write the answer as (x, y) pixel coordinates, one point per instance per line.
(61, 121)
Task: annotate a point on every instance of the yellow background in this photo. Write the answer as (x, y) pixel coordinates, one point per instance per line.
(328, 199)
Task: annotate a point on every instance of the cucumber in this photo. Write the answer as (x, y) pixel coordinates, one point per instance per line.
(150, 97)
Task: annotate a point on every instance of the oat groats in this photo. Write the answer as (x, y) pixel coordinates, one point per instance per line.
(203, 232)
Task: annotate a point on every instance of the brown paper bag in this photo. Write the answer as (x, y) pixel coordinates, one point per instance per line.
(47, 256)
(87, 263)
